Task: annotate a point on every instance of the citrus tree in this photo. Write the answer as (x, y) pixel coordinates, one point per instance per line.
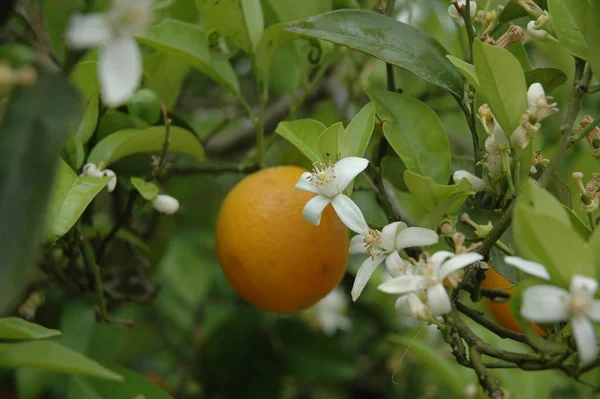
(289, 199)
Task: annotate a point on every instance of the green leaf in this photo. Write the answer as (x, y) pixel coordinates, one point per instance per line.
(134, 141)
(550, 78)
(293, 10)
(56, 19)
(387, 39)
(71, 195)
(578, 225)
(84, 77)
(594, 244)
(518, 50)
(164, 75)
(189, 42)
(561, 191)
(415, 132)
(240, 20)
(50, 355)
(86, 127)
(36, 122)
(134, 386)
(113, 121)
(542, 233)
(17, 328)
(570, 20)
(432, 359)
(393, 169)
(33, 383)
(304, 135)
(74, 153)
(502, 83)
(147, 190)
(467, 70)
(447, 207)
(272, 39)
(360, 129)
(335, 143)
(432, 194)
(593, 39)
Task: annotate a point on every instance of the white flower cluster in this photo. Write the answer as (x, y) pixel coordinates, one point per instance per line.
(456, 16)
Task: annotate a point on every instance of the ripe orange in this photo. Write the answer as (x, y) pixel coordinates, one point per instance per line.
(271, 255)
(501, 310)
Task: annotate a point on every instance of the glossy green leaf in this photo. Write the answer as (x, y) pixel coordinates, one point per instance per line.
(293, 10)
(164, 75)
(304, 134)
(113, 121)
(415, 132)
(84, 77)
(593, 39)
(467, 70)
(50, 355)
(578, 225)
(56, 20)
(134, 386)
(542, 233)
(189, 42)
(392, 169)
(335, 143)
(550, 78)
(594, 244)
(430, 193)
(502, 83)
(272, 39)
(240, 20)
(88, 123)
(387, 39)
(447, 207)
(147, 190)
(518, 50)
(133, 141)
(36, 122)
(570, 20)
(17, 328)
(561, 190)
(360, 129)
(74, 153)
(71, 195)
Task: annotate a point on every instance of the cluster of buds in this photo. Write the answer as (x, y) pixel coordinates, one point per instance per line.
(90, 169)
(495, 144)
(456, 9)
(588, 193)
(481, 230)
(593, 137)
(24, 76)
(540, 107)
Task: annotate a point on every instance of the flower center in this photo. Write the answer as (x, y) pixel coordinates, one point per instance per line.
(323, 174)
(580, 303)
(373, 243)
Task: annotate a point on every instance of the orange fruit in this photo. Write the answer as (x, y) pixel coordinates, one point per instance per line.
(270, 254)
(501, 310)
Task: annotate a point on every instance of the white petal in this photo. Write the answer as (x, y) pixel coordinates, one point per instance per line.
(120, 70)
(534, 92)
(411, 305)
(358, 245)
(395, 265)
(476, 183)
(364, 274)
(458, 262)
(438, 300)
(87, 31)
(582, 283)
(304, 184)
(500, 137)
(545, 304)
(90, 169)
(585, 338)
(404, 284)
(388, 235)
(529, 267)
(594, 312)
(112, 183)
(350, 214)
(346, 169)
(314, 209)
(438, 258)
(165, 204)
(416, 237)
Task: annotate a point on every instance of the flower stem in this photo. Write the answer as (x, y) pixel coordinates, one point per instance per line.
(592, 222)
(389, 68)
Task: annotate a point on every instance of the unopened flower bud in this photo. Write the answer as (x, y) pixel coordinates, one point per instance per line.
(476, 183)
(90, 169)
(500, 137)
(447, 228)
(539, 108)
(537, 34)
(593, 137)
(456, 16)
(165, 204)
(112, 183)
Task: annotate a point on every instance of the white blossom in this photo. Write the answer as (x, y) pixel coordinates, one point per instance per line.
(539, 108)
(329, 314)
(328, 181)
(383, 246)
(456, 17)
(476, 183)
(90, 169)
(119, 59)
(537, 34)
(165, 204)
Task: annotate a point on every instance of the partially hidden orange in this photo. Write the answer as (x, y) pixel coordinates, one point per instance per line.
(270, 254)
(501, 310)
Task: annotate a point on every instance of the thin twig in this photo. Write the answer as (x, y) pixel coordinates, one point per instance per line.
(207, 168)
(120, 223)
(479, 318)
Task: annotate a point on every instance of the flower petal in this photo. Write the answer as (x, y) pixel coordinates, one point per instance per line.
(314, 209)
(416, 237)
(458, 262)
(594, 312)
(404, 284)
(358, 245)
(583, 283)
(438, 300)
(112, 183)
(119, 70)
(86, 31)
(364, 274)
(438, 258)
(545, 304)
(395, 265)
(304, 184)
(346, 169)
(585, 338)
(388, 235)
(529, 267)
(411, 305)
(350, 214)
